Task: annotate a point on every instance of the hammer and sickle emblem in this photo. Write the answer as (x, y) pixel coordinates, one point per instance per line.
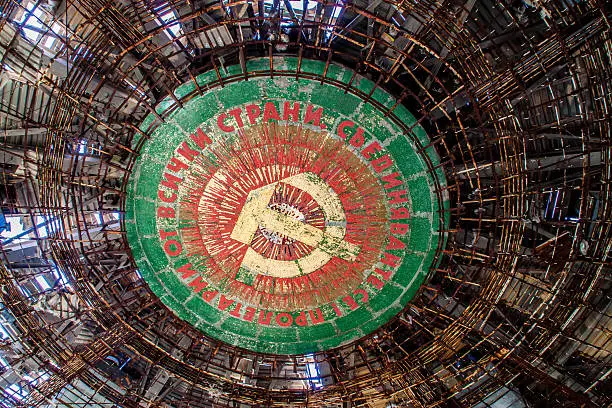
(327, 243)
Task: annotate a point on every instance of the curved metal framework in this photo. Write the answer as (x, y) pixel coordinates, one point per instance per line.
(516, 98)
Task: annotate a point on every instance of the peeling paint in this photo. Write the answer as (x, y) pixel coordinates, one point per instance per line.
(263, 225)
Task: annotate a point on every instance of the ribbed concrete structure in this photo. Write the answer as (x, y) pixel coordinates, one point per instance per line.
(291, 204)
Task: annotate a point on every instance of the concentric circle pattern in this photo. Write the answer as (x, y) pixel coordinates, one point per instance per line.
(286, 224)
(305, 204)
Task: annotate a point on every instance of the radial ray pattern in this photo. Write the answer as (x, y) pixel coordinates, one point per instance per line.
(425, 185)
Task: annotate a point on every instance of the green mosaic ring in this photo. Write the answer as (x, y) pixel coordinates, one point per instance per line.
(280, 215)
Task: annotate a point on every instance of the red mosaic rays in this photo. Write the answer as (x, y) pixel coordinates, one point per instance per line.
(219, 184)
(296, 203)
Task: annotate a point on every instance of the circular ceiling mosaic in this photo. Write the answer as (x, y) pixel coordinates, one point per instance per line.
(284, 215)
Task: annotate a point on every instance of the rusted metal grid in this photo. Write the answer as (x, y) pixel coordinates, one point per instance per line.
(518, 114)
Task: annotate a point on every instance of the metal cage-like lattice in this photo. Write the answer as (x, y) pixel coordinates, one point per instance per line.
(515, 96)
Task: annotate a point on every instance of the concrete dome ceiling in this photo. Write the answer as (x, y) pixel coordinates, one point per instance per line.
(176, 174)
